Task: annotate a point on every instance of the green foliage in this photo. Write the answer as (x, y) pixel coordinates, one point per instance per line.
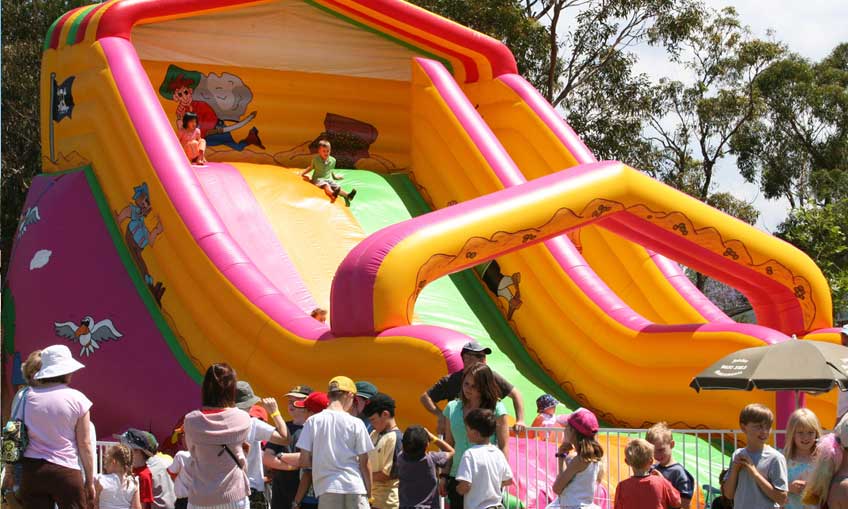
(822, 232)
(798, 150)
(694, 121)
(25, 24)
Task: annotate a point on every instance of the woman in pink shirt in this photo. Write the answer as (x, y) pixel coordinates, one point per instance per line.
(215, 436)
(58, 422)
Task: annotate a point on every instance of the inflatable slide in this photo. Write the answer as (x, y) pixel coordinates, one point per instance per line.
(479, 214)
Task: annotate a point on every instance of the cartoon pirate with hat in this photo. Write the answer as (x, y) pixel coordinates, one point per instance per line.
(219, 101)
(138, 236)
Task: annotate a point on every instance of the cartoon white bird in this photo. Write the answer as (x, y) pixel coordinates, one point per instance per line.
(28, 218)
(87, 334)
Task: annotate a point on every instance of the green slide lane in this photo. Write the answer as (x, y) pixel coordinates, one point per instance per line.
(459, 302)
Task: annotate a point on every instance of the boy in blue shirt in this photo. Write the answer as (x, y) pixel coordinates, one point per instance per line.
(758, 477)
(661, 438)
(323, 176)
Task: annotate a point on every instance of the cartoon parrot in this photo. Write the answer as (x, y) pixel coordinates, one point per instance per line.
(87, 334)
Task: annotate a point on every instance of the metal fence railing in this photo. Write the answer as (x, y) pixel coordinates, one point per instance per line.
(703, 452)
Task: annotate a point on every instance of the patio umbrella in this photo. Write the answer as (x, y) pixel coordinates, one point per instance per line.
(794, 365)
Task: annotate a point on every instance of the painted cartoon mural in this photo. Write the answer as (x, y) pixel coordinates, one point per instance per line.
(220, 102)
(505, 287)
(88, 333)
(138, 236)
(29, 217)
(351, 139)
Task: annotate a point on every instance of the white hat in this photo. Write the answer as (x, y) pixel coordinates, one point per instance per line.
(56, 360)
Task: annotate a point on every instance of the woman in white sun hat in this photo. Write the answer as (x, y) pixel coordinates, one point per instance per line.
(57, 420)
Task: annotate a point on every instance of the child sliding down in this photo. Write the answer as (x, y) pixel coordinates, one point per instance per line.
(322, 166)
(193, 143)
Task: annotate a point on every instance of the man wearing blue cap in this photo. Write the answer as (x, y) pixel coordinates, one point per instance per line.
(448, 387)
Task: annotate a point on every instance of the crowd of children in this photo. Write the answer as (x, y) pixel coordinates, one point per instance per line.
(332, 462)
(343, 449)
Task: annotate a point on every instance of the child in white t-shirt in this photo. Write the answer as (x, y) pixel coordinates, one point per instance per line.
(335, 445)
(483, 470)
(117, 488)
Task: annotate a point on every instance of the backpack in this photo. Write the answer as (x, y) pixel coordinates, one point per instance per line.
(14, 436)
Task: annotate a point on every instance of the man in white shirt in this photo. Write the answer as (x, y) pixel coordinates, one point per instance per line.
(260, 431)
(335, 445)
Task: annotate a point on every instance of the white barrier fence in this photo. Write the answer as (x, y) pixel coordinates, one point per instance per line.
(704, 453)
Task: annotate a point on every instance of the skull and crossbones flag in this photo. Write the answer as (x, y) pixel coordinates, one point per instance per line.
(63, 100)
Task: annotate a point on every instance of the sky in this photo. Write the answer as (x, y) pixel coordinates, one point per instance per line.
(811, 28)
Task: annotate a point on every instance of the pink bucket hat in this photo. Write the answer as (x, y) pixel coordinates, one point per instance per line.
(582, 420)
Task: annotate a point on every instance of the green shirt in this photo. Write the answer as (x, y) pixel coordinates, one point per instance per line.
(456, 420)
(323, 169)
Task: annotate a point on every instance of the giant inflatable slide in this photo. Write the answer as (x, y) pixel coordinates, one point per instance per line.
(479, 214)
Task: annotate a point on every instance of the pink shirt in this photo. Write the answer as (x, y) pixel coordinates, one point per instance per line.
(51, 418)
(186, 136)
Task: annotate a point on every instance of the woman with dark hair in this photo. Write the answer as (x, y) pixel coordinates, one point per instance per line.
(58, 422)
(479, 390)
(214, 436)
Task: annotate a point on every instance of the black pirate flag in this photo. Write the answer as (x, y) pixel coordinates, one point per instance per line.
(62, 99)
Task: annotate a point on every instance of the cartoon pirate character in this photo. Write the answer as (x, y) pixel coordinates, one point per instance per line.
(219, 101)
(506, 287)
(138, 236)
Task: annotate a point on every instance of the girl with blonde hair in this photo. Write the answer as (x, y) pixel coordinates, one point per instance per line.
(117, 488)
(828, 484)
(802, 432)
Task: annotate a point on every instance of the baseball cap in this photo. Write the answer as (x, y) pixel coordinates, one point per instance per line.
(244, 395)
(844, 329)
(366, 389)
(315, 402)
(473, 346)
(299, 391)
(544, 402)
(137, 439)
(343, 384)
(583, 421)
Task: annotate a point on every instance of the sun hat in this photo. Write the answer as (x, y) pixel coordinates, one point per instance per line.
(341, 384)
(244, 395)
(138, 439)
(315, 402)
(366, 389)
(544, 402)
(582, 420)
(473, 346)
(299, 391)
(56, 360)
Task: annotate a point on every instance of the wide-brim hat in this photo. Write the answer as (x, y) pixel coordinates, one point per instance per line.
(245, 398)
(56, 360)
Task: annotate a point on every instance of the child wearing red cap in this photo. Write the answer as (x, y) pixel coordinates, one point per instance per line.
(579, 461)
